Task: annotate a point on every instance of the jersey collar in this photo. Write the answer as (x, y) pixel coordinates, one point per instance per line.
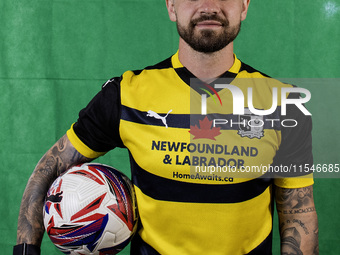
(186, 75)
(235, 68)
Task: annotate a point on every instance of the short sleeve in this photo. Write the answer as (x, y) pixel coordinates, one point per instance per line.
(295, 151)
(97, 128)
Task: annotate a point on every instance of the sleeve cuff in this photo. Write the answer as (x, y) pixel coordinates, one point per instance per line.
(294, 182)
(82, 148)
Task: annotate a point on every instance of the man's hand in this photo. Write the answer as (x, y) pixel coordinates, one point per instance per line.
(57, 160)
(298, 221)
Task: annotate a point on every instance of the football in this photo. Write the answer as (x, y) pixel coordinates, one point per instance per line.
(91, 209)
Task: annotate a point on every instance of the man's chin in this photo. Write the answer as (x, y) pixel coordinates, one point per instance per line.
(207, 48)
(209, 44)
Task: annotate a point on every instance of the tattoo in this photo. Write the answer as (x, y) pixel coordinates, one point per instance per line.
(298, 211)
(56, 161)
(302, 225)
(295, 198)
(291, 242)
(298, 221)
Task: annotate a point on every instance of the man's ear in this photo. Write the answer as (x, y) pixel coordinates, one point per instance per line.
(171, 9)
(244, 9)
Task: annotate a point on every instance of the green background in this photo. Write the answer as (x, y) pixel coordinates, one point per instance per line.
(55, 54)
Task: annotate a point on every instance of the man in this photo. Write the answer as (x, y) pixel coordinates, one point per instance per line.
(151, 111)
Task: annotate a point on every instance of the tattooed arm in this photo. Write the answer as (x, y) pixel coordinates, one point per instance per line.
(56, 161)
(298, 221)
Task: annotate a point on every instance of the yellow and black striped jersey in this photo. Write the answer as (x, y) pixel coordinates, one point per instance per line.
(191, 156)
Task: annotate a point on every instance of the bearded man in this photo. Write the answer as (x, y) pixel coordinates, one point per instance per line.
(157, 113)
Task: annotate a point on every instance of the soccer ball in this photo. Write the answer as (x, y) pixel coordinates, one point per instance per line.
(90, 209)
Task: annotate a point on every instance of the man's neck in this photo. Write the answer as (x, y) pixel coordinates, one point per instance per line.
(206, 66)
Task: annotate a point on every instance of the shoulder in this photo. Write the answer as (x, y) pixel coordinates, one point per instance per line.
(247, 71)
(152, 72)
(165, 64)
(245, 68)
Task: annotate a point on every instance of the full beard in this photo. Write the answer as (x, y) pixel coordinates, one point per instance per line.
(208, 40)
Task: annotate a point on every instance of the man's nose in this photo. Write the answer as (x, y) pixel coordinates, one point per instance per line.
(209, 7)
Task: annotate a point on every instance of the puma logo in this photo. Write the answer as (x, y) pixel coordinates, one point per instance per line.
(157, 116)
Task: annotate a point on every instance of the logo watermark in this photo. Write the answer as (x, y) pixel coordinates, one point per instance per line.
(239, 101)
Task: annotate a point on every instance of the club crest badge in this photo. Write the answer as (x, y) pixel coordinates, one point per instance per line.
(250, 125)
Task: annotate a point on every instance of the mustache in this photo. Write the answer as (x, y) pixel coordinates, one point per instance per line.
(224, 22)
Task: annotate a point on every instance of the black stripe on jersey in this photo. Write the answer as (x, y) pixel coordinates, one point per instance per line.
(187, 76)
(197, 84)
(187, 120)
(139, 247)
(264, 248)
(173, 120)
(184, 74)
(164, 189)
(162, 65)
(249, 69)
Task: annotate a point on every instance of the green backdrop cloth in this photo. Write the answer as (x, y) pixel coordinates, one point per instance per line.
(56, 54)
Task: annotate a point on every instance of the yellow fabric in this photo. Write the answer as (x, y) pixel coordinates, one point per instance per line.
(294, 182)
(82, 148)
(193, 228)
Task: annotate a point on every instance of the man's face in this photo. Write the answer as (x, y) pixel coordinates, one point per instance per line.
(207, 25)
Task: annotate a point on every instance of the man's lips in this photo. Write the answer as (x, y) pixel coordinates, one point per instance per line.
(208, 24)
